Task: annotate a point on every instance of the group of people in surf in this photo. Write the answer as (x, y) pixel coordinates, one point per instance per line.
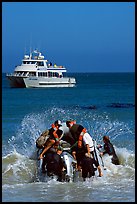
(81, 147)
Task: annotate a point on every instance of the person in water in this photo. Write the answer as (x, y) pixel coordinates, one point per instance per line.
(41, 140)
(51, 155)
(85, 157)
(109, 149)
(88, 160)
(88, 170)
(83, 149)
(53, 143)
(76, 132)
(54, 165)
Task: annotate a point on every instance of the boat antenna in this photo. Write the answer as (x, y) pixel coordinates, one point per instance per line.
(25, 48)
(39, 45)
(30, 53)
(30, 46)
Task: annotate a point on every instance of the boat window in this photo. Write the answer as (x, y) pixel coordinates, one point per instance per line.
(33, 62)
(56, 74)
(45, 74)
(42, 74)
(40, 63)
(39, 73)
(32, 73)
(29, 62)
(50, 74)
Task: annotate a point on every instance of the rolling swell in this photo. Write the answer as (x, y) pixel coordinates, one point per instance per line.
(121, 105)
(95, 107)
(111, 105)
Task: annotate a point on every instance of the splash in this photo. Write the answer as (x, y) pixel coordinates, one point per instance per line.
(16, 168)
(19, 165)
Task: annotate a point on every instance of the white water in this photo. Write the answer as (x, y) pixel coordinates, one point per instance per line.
(19, 169)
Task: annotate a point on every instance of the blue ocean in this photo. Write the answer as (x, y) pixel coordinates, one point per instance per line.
(104, 103)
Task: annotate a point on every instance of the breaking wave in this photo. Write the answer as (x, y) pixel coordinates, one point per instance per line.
(19, 161)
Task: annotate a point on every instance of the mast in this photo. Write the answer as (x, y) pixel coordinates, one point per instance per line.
(30, 53)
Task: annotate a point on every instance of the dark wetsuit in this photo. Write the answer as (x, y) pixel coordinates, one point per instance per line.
(72, 136)
(108, 147)
(87, 166)
(53, 162)
(51, 130)
(75, 131)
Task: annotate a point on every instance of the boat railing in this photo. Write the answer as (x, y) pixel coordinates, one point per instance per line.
(53, 66)
(18, 74)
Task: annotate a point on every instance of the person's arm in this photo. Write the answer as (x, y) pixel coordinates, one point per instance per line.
(88, 150)
(74, 154)
(105, 150)
(86, 141)
(50, 143)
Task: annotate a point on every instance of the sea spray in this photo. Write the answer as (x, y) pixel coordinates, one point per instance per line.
(25, 152)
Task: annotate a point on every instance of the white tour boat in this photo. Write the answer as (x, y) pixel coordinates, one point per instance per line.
(36, 72)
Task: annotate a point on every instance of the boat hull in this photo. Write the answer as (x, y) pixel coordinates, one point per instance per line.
(16, 81)
(43, 82)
